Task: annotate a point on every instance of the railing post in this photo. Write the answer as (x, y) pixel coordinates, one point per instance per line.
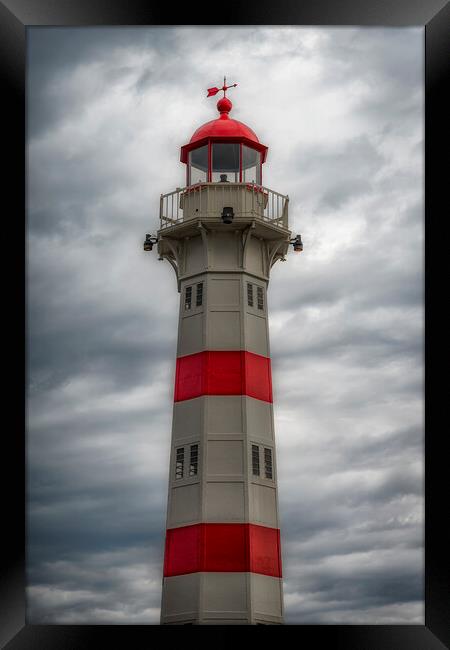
(253, 198)
(285, 212)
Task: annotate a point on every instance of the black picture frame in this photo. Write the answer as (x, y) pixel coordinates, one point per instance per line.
(15, 17)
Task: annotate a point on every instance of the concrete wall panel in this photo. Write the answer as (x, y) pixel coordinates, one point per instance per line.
(184, 506)
(188, 418)
(195, 258)
(254, 256)
(224, 330)
(181, 595)
(225, 251)
(191, 334)
(259, 418)
(256, 337)
(267, 595)
(263, 505)
(224, 413)
(225, 457)
(225, 501)
(223, 292)
(225, 593)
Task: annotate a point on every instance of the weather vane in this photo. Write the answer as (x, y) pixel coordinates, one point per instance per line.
(214, 91)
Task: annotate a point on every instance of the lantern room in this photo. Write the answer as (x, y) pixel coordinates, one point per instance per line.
(223, 150)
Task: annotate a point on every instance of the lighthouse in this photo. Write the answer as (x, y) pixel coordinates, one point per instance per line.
(222, 233)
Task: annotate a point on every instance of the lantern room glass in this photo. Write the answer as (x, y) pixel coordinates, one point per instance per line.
(251, 165)
(222, 162)
(225, 163)
(198, 166)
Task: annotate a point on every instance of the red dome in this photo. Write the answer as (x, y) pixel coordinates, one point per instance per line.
(221, 129)
(224, 128)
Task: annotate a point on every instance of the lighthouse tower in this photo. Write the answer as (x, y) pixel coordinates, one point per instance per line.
(222, 234)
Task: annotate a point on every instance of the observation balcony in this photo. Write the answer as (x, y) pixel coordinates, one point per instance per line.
(205, 202)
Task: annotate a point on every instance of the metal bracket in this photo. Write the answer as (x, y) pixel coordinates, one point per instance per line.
(173, 259)
(273, 254)
(246, 235)
(204, 235)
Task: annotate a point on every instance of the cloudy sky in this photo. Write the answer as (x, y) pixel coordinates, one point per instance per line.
(342, 113)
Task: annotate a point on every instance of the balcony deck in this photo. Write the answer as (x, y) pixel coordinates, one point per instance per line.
(206, 200)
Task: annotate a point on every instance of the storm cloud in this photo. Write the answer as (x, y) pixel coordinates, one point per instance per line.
(342, 113)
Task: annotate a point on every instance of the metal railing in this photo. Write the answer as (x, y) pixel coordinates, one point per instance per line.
(206, 200)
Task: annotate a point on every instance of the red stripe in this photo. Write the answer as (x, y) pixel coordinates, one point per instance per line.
(223, 373)
(222, 548)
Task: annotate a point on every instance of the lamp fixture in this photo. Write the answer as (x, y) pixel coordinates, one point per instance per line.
(149, 241)
(227, 215)
(297, 243)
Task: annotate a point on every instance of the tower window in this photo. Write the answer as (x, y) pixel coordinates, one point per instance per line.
(188, 298)
(250, 294)
(268, 470)
(179, 463)
(199, 297)
(193, 465)
(260, 297)
(255, 460)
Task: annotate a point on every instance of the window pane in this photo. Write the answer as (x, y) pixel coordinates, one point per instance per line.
(225, 163)
(199, 297)
(250, 165)
(179, 463)
(255, 460)
(250, 157)
(193, 465)
(268, 463)
(250, 294)
(198, 165)
(260, 298)
(188, 298)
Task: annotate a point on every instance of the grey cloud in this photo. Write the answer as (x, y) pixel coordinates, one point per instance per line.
(104, 587)
(345, 173)
(54, 53)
